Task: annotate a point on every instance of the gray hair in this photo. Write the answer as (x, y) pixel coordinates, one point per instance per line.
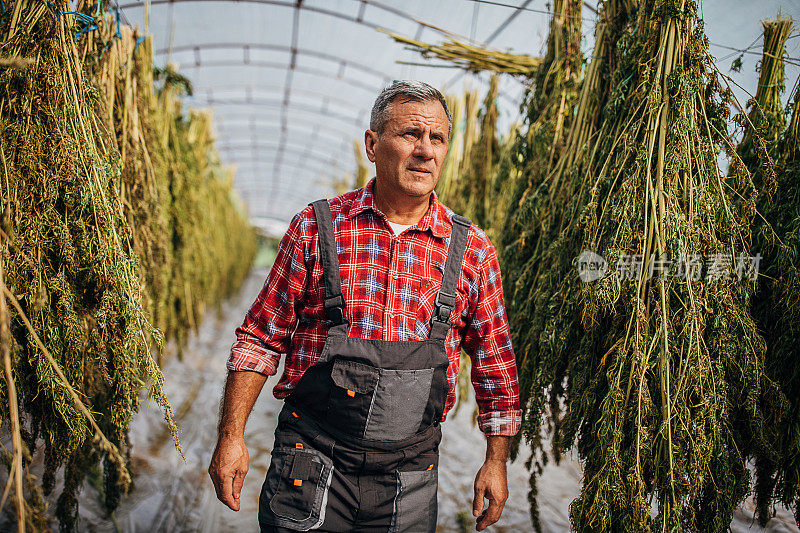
(408, 90)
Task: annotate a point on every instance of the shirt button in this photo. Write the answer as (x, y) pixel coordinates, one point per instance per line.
(394, 276)
(391, 315)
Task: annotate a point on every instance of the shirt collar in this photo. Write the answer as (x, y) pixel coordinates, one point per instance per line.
(436, 218)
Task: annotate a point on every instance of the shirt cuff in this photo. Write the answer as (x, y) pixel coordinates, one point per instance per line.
(246, 355)
(500, 422)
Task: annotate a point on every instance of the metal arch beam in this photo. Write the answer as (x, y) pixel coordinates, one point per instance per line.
(251, 173)
(284, 3)
(248, 89)
(313, 164)
(253, 169)
(239, 132)
(286, 211)
(242, 131)
(277, 104)
(326, 166)
(232, 150)
(280, 66)
(299, 150)
(224, 117)
(252, 160)
(303, 196)
(245, 159)
(246, 47)
(254, 191)
(359, 19)
(251, 177)
(237, 116)
(246, 166)
(242, 142)
(252, 164)
(283, 188)
(287, 192)
(235, 155)
(283, 130)
(249, 166)
(266, 126)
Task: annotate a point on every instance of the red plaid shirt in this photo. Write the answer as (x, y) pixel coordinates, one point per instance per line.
(389, 284)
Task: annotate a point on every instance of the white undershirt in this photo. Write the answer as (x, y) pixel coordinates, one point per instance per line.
(399, 228)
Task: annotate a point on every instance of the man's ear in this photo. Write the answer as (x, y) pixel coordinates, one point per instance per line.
(370, 138)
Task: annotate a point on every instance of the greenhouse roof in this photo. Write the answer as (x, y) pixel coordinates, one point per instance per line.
(291, 83)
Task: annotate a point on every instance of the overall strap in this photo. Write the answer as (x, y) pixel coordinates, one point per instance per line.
(446, 297)
(334, 299)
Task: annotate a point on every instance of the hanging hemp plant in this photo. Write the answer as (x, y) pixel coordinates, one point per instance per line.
(547, 111)
(79, 346)
(645, 353)
(468, 193)
(116, 217)
(362, 170)
(465, 112)
(472, 57)
(769, 150)
(547, 115)
(778, 467)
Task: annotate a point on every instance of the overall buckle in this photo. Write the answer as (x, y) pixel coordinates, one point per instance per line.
(445, 304)
(335, 314)
(334, 308)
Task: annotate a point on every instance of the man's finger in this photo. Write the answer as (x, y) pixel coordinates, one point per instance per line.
(492, 514)
(477, 502)
(238, 482)
(225, 492)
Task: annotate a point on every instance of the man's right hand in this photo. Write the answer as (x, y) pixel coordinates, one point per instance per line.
(228, 468)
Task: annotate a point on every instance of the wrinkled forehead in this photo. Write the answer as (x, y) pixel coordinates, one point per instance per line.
(407, 111)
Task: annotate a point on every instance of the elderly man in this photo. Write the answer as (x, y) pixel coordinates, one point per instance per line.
(372, 296)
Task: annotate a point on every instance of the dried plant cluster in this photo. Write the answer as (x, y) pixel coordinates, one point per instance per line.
(118, 228)
(675, 381)
(657, 380)
(770, 151)
(472, 57)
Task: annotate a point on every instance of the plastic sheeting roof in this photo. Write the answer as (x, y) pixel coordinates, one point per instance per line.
(291, 83)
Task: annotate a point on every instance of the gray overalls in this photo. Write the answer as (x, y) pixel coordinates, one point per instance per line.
(357, 442)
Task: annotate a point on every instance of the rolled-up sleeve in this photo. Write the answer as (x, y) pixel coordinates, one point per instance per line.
(268, 325)
(488, 343)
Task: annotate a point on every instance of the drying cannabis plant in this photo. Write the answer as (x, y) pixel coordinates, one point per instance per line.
(769, 150)
(115, 219)
(650, 363)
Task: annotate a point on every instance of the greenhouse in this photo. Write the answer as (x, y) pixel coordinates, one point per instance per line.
(567, 230)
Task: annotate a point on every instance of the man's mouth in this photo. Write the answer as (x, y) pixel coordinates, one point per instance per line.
(415, 169)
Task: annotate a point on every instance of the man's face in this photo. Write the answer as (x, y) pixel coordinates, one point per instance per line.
(408, 155)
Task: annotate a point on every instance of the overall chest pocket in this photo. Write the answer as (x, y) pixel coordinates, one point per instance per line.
(376, 403)
(296, 486)
(399, 403)
(351, 396)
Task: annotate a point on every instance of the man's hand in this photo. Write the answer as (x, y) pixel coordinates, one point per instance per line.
(491, 482)
(228, 468)
(230, 460)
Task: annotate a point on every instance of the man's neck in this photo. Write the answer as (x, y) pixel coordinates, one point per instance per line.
(400, 208)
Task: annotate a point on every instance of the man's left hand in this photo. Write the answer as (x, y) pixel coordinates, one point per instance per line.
(491, 483)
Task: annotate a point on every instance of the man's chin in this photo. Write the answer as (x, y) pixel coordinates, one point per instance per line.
(417, 184)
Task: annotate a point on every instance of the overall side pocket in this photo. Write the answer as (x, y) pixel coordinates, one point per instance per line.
(415, 507)
(295, 491)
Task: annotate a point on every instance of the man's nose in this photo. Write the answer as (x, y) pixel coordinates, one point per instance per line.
(424, 147)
